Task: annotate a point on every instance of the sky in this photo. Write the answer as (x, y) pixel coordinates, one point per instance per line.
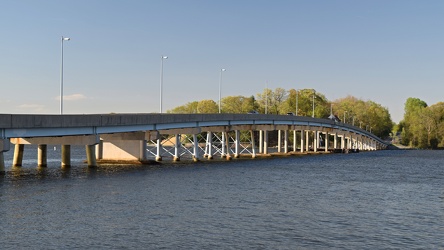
(377, 50)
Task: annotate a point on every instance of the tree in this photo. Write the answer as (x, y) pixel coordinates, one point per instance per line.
(364, 114)
(207, 107)
(189, 108)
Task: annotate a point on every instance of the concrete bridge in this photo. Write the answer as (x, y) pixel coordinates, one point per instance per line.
(137, 137)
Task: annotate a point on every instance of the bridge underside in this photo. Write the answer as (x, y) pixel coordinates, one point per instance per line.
(194, 144)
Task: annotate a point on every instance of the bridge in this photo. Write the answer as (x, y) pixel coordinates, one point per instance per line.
(139, 137)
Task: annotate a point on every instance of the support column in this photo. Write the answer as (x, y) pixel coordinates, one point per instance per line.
(279, 141)
(295, 137)
(2, 163)
(343, 142)
(253, 146)
(315, 140)
(42, 155)
(223, 146)
(261, 141)
(177, 145)
(210, 145)
(195, 148)
(286, 141)
(265, 142)
(227, 143)
(18, 155)
(142, 150)
(66, 156)
(91, 155)
(335, 140)
(326, 141)
(302, 140)
(99, 150)
(237, 144)
(158, 148)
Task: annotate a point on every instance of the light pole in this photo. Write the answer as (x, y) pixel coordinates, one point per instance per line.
(61, 75)
(314, 92)
(345, 112)
(220, 84)
(161, 80)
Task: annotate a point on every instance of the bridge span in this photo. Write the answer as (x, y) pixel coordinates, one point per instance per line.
(139, 137)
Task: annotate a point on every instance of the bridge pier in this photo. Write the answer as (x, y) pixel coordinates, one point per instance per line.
(177, 145)
(66, 156)
(237, 144)
(2, 163)
(18, 155)
(195, 148)
(42, 155)
(91, 155)
(4, 146)
(253, 146)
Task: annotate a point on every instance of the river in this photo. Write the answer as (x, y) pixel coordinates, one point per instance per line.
(370, 200)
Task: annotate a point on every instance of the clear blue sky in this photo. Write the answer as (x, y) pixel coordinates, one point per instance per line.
(384, 51)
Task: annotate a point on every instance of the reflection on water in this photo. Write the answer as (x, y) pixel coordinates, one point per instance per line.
(384, 199)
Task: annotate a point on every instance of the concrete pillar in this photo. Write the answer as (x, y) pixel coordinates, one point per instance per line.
(326, 141)
(223, 146)
(253, 146)
(158, 149)
(42, 155)
(237, 144)
(342, 141)
(4, 147)
(99, 150)
(279, 141)
(2, 163)
(295, 137)
(265, 142)
(227, 144)
(302, 140)
(18, 155)
(66, 156)
(315, 140)
(210, 145)
(335, 140)
(286, 141)
(261, 141)
(177, 145)
(91, 155)
(142, 150)
(195, 148)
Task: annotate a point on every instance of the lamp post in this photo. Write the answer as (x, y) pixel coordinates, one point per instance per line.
(161, 80)
(220, 84)
(61, 75)
(345, 112)
(314, 92)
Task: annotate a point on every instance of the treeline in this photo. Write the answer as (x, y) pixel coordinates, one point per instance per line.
(304, 102)
(422, 126)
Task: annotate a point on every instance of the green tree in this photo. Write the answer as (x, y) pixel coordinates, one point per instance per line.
(189, 108)
(207, 107)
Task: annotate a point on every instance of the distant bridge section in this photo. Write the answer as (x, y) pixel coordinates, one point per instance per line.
(123, 137)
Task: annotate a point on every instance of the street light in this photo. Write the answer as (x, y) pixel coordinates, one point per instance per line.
(345, 112)
(61, 75)
(161, 79)
(220, 83)
(314, 92)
